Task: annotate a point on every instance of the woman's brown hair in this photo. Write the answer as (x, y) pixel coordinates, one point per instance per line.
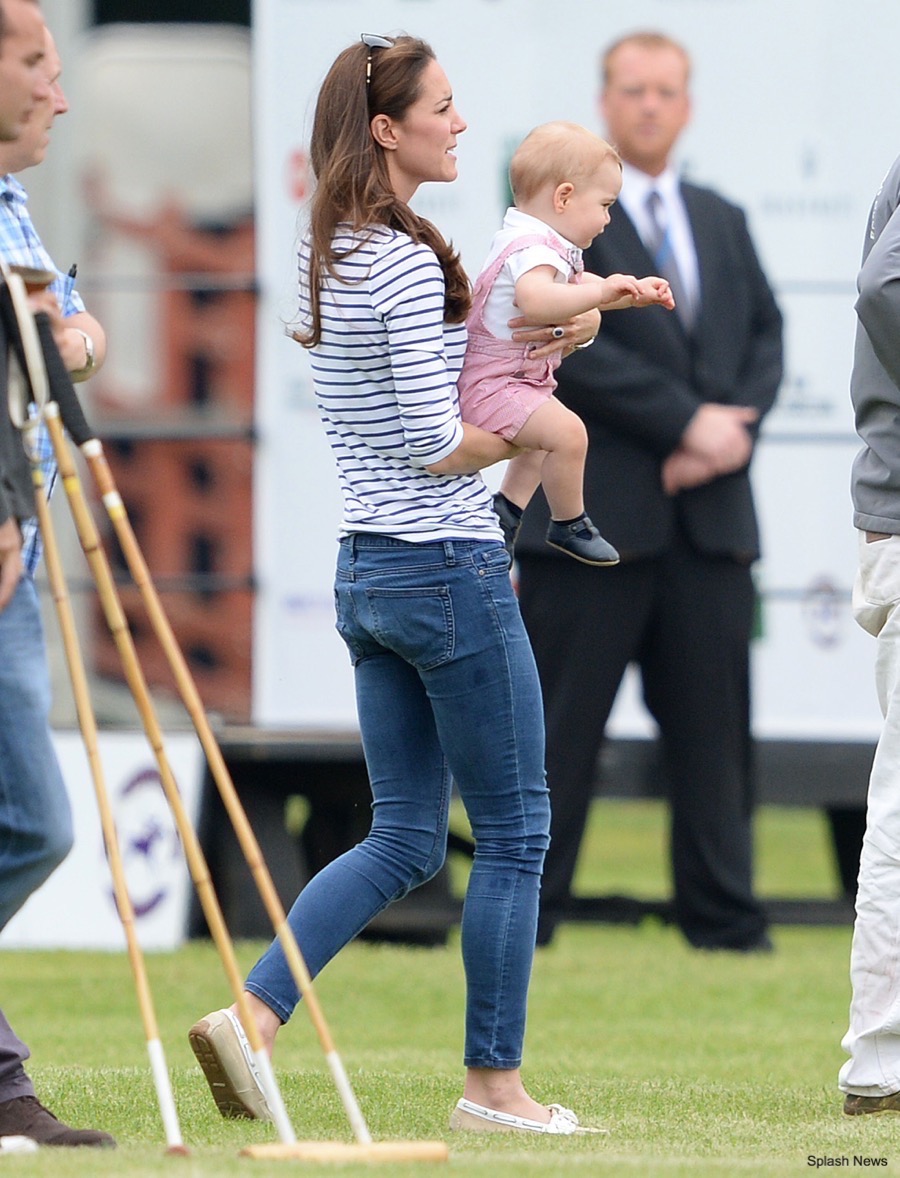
(352, 181)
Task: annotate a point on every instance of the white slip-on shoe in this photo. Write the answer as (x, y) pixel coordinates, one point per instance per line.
(224, 1054)
(475, 1118)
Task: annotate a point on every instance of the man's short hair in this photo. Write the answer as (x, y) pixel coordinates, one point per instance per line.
(644, 39)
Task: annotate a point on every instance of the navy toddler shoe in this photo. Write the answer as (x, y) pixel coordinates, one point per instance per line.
(581, 540)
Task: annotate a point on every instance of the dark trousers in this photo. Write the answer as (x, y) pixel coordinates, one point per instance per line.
(686, 620)
(14, 1081)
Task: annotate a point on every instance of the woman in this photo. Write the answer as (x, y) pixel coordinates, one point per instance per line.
(445, 680)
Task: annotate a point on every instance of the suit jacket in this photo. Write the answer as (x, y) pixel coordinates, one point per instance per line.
(637, 387)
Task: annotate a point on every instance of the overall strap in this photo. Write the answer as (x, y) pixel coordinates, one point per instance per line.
(486, 279)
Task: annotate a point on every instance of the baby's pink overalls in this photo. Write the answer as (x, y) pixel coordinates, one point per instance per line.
(500, 386)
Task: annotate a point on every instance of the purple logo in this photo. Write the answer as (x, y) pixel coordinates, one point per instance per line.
(824, 609)
(148, 841)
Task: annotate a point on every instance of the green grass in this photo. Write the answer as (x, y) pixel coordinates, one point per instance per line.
(625, 851)
(709, 1064)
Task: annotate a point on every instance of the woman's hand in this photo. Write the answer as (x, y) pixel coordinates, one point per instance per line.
(576, 332)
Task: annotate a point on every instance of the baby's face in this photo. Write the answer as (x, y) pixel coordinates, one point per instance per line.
(587, 211)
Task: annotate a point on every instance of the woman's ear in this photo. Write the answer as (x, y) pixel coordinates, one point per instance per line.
(382, 128)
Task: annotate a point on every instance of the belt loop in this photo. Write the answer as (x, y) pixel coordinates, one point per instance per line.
(449, 554)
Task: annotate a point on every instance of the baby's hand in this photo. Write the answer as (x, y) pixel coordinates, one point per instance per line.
(617, 291)
(654, 292)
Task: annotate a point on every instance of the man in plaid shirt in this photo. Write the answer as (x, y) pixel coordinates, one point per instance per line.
(35, 815)
(82, 342)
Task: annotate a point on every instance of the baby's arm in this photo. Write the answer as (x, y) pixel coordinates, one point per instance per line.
(543, 299)
(647, 292)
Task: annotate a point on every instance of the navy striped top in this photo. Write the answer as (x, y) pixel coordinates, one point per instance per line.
(385, 377)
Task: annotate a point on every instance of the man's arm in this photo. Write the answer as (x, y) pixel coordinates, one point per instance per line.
(717, 441)
(67, 333)
(878, 305)
(74, 348)
(763, 364)
(720, 437)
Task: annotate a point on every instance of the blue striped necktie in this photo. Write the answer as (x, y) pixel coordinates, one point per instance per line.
(660, 246)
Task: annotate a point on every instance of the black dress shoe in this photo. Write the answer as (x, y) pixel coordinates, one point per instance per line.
(25, 1116)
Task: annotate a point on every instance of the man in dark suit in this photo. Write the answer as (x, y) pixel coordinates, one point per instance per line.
(672, 402)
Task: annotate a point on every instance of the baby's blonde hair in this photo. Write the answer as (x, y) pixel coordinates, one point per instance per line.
(555, 153)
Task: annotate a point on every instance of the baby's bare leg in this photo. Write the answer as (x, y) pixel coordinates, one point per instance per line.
(522, 477)
(561, 434)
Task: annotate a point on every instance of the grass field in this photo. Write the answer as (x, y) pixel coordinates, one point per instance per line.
(698, 1064)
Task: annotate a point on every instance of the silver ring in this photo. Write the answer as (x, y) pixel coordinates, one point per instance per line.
(558, 332)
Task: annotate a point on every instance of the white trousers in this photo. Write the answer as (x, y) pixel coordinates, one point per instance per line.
(873, 1038)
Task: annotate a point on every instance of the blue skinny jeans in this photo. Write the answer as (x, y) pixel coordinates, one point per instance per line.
(35, 815)
(447, 690)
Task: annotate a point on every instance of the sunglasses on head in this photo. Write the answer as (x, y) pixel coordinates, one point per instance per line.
(373, 41)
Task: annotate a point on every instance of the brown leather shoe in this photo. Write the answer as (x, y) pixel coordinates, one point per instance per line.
(25, 1116)
(856, 1106)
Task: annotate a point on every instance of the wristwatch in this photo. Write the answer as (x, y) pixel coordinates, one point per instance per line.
(88, 366)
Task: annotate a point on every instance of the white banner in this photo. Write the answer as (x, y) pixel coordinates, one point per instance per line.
(75, 908)
(794, 103)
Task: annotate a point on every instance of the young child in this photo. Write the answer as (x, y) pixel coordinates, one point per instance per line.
(564, 180)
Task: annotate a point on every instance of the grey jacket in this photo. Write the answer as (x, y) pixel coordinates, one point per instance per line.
(875, 382)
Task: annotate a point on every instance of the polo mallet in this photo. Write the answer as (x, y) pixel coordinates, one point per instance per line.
(92, 450)
(112, 608)
(88, 726)
(86, 718)
(118, 627)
